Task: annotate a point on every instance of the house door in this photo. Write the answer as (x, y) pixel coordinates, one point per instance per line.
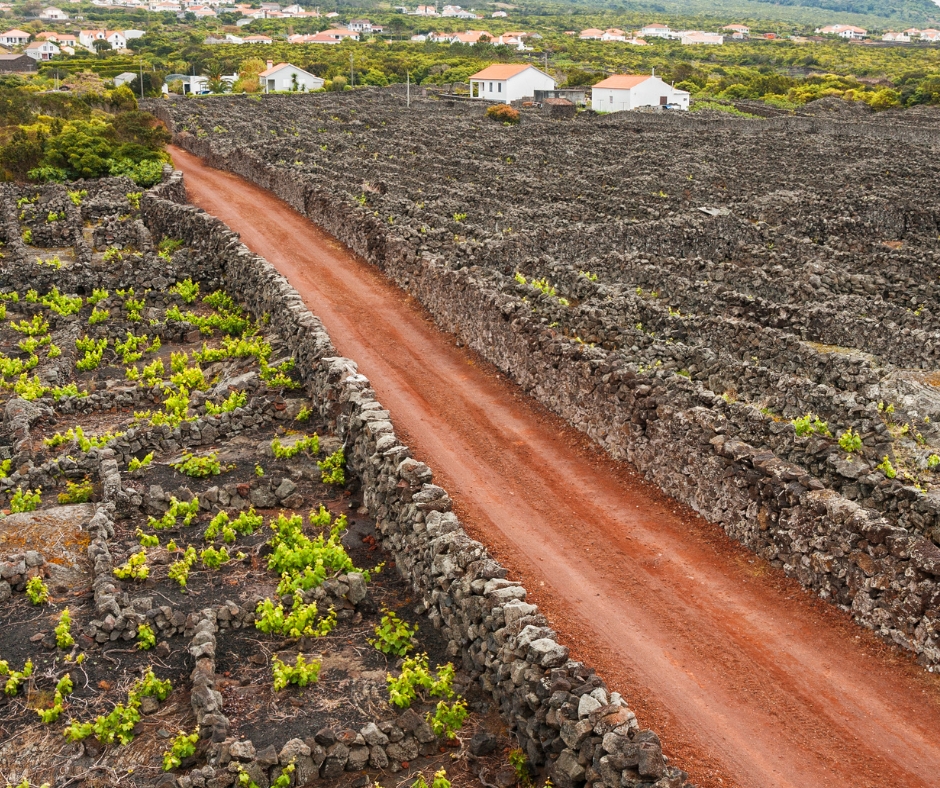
(663, 101)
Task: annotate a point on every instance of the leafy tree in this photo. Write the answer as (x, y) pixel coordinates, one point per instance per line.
(82, 150)
(23, 153)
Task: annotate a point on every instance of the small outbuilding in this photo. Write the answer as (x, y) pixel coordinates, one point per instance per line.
(509, 82)
(17, 63)
(559, 108)
(623, 92)
(287, 77)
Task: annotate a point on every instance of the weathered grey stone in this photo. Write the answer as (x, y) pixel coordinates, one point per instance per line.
(373, 736)
(242, 750)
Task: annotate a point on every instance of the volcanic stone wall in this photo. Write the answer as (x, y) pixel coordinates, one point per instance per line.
(562, 713)
(698, 391)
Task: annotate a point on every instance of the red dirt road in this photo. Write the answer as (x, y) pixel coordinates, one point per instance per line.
(750, 681)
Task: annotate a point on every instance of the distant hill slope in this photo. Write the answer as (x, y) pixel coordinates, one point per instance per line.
(876, 14)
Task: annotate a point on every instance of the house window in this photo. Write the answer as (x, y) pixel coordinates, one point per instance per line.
(499, 87)
(610, 98)
(491, 87)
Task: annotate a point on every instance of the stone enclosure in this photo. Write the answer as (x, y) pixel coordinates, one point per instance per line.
(746, 310)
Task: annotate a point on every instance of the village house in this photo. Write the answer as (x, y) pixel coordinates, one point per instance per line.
(499, 14)
(257, 39)
(930, 35)
(614, 34)
(849, 32)
(738, 32)
(623, 92)
(53, 14)
(287, 77)
(458, 13)
(87, 38)
(360, 25)
(425, 10)
(41, 50)
(591, 34)
(691, 37)
(900, 38)
(509, 82)
(14, 38)
(470, 38)
(333, 36)
(124, 79)
(657, 31)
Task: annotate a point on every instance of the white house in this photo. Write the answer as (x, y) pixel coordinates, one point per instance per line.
(87, 38)
(690, 37)
(124, 79)
(360, 25)
(630, 91)
(657, 31)
(902, 38)
(42, 50)
(738, 31)
(116, 39)
(591, 34)
(53, 13)
(284, 76)
(509, 82)
(849, 32)
(14, 38)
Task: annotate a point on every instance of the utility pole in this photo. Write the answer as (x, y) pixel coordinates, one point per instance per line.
(352, 78)
(140, 63)
(408, 87)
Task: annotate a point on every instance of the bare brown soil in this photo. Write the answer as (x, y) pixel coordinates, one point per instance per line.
(749, 679)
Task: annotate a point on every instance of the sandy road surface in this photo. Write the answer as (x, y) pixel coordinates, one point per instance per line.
(749, 680)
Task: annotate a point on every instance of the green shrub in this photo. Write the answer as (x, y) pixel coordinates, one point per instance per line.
(77, 493)
(850, 441)
(198, 467)
(146, 637)
(332, 470)
(300, 673)
(393, 636)
(25, 500)
(311, 443)
(447, 720)
(810, 424)
(63, 630)
(415, 677)
(183, 746)
(15, 677)
(135, 568)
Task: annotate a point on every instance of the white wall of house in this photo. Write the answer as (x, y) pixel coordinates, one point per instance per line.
(522, 85)
(283, 79)
(42, 50)
(647, 94)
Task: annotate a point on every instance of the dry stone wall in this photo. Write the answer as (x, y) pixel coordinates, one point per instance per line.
(691, 352)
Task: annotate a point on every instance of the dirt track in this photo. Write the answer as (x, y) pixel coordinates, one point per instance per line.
(750, 681)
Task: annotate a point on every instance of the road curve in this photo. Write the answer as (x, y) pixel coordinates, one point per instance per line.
(750, 681)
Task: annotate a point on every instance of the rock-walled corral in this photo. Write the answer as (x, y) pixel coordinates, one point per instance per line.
(107, 393)
(684, 290)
